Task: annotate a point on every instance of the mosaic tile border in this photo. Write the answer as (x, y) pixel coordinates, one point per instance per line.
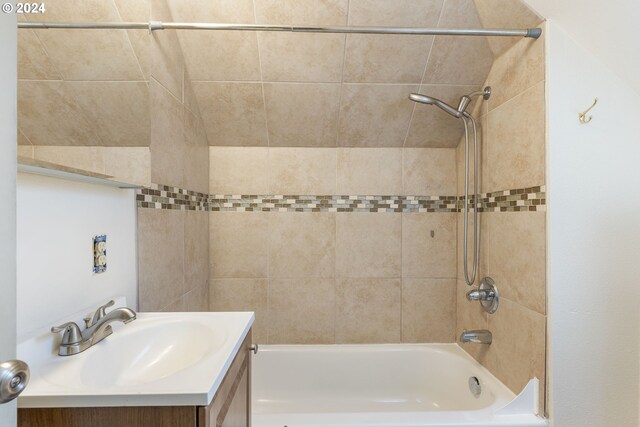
(172, 198)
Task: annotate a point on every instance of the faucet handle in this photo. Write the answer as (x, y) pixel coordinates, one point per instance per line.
(99, 314)
(72, 333)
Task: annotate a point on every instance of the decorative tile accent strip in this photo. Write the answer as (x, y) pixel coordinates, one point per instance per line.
(306, 203)
(165, 197)
(529, 199)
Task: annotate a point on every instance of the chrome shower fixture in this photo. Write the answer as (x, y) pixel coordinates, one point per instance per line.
(462, 105)
(461, 113)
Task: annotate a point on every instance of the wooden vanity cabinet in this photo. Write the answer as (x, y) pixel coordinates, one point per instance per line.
(231, 407)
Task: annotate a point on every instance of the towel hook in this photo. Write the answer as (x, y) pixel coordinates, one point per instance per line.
(583, 116)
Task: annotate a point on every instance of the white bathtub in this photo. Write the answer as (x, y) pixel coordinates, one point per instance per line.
(382, 385)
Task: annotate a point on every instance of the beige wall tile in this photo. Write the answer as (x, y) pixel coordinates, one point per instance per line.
(214, 55)
(301, 12)
(238, 170)
(302, 114)
(160, 258)
(48, 115)
(73, 53)
(297, 171)
(167, 137)
(223, 11)
(23, 140)
(138, 11)
(301, 57)
(425, 256)
(221, 56)
(243, 295)
(485, 241)
(167, 61)
(128, 164)
(238, 244)
(429, 171)
(83, 158)
(302, 245)
(196, 250)
(301, 311)
(119, 111)
(483, 181)
(431, 127)
(517, 352)
(26, 151)
(470, 316)
(190, 100)
(368, 311)
(369, 171)
(374, 115)
(33, 62)
(197, 300)
(517, 254)
(384, 58)
(196, 155)
(177, 306)
(368, 245)
(233, 113)
(459, 60)
(516, 70)
(516, 152)
(428, 310)
(505, 14)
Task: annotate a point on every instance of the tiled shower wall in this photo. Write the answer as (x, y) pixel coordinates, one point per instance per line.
(513, 243)
(173, 244)
(335, 276)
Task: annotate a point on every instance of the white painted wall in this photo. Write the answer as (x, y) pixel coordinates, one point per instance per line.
(57, 220)
(8, 129)
(594, 239)
(609, 29)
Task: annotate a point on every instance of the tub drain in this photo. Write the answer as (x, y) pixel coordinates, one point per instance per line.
(475, 387)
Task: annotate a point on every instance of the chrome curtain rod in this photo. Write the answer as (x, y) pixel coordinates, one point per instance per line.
(157, 25)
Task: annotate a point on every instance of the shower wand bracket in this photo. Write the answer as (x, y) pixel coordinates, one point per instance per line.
(487, 93)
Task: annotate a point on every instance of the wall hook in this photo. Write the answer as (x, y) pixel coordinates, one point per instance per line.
(583, 116)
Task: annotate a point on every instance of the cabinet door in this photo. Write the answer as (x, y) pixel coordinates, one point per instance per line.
(237, 414)
(231, 406)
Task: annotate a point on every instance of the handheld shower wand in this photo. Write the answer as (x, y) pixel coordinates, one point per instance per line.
(461, 113)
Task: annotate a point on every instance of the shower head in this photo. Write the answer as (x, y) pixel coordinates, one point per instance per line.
(424, 99)
(455, 112)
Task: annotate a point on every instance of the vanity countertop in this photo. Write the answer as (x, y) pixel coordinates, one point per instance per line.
(159, 359)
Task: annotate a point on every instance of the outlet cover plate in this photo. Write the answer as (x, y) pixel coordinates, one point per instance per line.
(100, 254)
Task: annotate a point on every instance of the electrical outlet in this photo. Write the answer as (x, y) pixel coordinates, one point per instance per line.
(100, 254)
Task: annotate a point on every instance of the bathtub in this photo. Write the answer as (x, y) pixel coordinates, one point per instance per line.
(403, 385)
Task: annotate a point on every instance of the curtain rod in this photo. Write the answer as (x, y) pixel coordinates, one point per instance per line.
(157, 25)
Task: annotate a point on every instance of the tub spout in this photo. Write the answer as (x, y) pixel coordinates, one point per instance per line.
(481, 336)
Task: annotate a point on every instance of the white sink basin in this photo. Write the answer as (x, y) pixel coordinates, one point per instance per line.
(158, 359)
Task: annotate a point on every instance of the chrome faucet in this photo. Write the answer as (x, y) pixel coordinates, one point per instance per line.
(481, 336)
(98, 327)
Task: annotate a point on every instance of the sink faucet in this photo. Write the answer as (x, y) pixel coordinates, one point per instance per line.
(481, 336)
(98, 327)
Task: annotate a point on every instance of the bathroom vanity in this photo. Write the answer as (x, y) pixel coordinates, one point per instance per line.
(173, 369)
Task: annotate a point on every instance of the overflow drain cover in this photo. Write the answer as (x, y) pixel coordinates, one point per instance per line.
(475, 387)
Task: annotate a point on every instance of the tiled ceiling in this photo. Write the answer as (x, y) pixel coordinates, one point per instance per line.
(90, 87)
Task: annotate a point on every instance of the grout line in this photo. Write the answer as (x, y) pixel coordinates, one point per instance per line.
(129, 39)
(424, 73)
(264, 99)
